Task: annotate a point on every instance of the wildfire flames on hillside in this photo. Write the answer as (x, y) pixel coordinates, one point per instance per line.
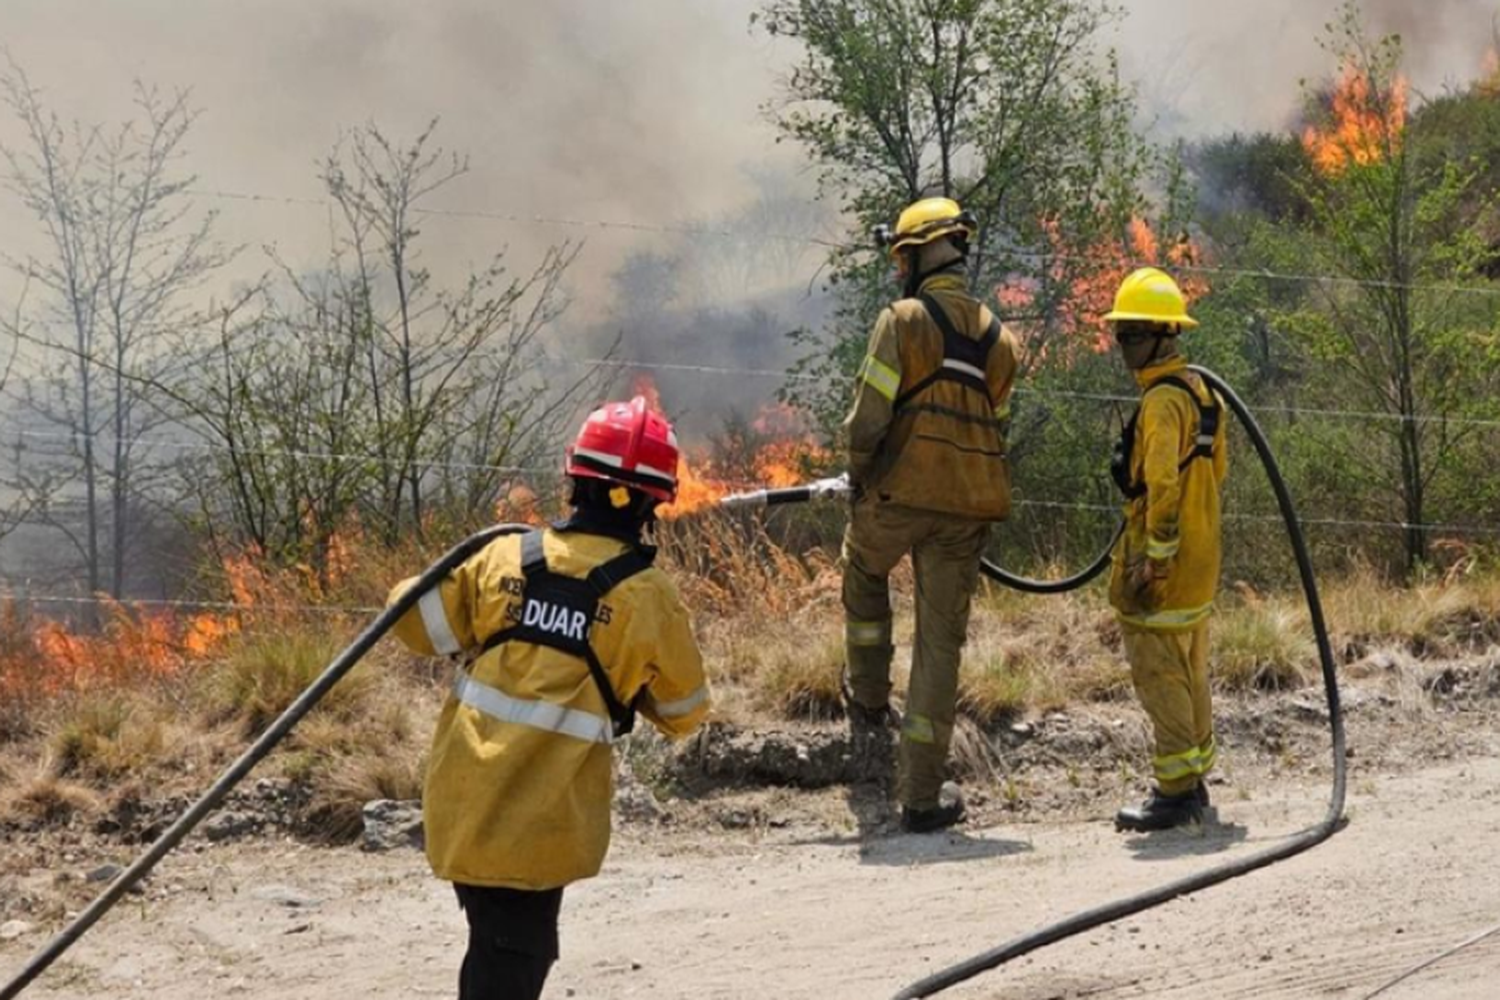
(1092, 276)
(1364, 124)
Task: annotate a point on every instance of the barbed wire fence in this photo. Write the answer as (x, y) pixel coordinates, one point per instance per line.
(32, 442)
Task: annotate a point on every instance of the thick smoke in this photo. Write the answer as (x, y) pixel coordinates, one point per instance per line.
(596, 110)
(1209, 67)
(575, 109)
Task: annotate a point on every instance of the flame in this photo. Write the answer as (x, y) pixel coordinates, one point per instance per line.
(243, 573)
(521, 504)
(1364, 125)
(42, 658)
(1489, 73)
(204, 634)
(645, 385)
(778, 451)
(1092, 275)
(132, 645)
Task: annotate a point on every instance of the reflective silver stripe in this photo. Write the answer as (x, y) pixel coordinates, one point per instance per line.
(880, 376)
(616, 462)
(1168, 619)
(868, 633)
(435, 620)
(544, 715)
(682, 706)
(963, 366)
(1162, 550)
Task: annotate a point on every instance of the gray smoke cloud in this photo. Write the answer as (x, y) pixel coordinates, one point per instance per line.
(576, 109)
(1209, 67)
(643, 113)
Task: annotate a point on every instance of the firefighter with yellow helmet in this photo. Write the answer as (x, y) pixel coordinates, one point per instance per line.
(565, 634)
(1170, 464)
(926, 458)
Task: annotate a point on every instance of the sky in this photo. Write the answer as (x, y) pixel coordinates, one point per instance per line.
(647, 113)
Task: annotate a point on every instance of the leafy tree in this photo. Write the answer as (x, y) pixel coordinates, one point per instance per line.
(1004, 105)
(1391, 217)
(124, 251)
(368, 391)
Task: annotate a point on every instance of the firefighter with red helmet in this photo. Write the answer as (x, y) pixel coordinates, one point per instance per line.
(565, 634)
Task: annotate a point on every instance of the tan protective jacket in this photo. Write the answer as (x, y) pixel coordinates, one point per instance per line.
(520, 782)
(1174, 525)
(940, 447)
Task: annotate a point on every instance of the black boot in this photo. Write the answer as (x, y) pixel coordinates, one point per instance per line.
(1162, 812)
(932, 820)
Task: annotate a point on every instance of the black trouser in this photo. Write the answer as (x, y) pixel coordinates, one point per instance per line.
(512, 942)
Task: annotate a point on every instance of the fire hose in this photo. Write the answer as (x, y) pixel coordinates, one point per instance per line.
(237, 771)
(839, 487)
(1119, 909)
(823, 489)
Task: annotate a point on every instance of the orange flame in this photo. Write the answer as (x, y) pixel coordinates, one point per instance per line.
(1364, 125)
(1489, 74)
(787, 456)
(520, 505)
(1093, 274)
(206, 633)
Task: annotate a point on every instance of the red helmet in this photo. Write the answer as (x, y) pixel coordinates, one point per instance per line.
(627, 443)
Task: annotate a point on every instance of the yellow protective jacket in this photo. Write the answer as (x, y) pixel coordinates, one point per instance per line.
(1173, 528)
(520, 781)
(935, 445)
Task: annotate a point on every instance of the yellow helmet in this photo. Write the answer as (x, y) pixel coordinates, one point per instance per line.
(1150, 295)
(924, 221)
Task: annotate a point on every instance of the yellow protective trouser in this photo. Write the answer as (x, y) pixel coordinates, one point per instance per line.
(945, 553)
(1170, 673)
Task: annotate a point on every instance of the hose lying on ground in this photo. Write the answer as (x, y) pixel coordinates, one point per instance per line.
(1296, 844)
(257, 751)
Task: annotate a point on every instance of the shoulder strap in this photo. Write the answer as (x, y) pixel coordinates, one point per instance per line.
(1208, 418)
(964, 358)
(600, 581)
(533, 557)
(609, 575)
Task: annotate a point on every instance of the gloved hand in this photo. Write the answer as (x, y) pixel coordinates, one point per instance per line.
(856, 491)
(1146, 576)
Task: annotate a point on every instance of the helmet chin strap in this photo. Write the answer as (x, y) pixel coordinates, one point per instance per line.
(914, 277)
(1159, 340)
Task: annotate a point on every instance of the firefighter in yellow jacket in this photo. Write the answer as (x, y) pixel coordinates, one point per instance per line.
(1170, 464)
(565, 634)
(926, 440)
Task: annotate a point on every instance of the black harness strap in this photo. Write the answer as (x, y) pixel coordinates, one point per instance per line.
(957, 348)
(1203, 441)
(559, 611)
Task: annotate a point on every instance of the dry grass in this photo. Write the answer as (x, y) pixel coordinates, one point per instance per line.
(1030, 654)
(1262, 646)
(265, 673)
(347, 783)
(1444, 616)
(45, 800)
(770, 621)
(802, 680)
(109, 735)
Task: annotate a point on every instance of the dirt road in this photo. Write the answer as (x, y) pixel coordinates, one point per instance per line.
(804, 912)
